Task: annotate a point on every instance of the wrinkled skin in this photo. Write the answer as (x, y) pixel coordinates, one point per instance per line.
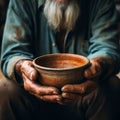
(68, 93)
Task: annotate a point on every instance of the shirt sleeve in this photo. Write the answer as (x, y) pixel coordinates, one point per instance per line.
(104, 39)
(18, 35)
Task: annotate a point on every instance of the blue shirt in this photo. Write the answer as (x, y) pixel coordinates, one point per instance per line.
(28, 35)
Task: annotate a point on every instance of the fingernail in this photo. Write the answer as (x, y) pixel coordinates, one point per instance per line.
(58, 99)
(64, 94)
(31, 75)
(64, 89)
(55, 92)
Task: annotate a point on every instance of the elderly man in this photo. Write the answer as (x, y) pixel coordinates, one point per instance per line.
(39, 27)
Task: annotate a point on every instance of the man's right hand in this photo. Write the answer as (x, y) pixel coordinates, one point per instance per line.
(29, 75)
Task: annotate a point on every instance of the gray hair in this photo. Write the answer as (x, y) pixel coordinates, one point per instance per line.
(61, 15)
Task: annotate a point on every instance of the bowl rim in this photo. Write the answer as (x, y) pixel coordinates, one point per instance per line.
(61, 69)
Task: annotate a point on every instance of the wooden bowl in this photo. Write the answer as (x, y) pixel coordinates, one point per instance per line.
(61, 68)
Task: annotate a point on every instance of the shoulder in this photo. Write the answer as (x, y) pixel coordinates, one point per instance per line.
(24, 2)
(97, 6)
(25, 5)
(101, 3)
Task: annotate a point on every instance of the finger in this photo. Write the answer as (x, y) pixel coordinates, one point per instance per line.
(73, 89)
(93, 71)
(82, 88)
(71, 96)
(49, 98)
(28, 69)
(38, 89)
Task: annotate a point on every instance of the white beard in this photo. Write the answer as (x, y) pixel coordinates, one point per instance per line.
(61, 15)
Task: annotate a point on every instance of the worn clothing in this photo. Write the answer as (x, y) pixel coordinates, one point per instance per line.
(28, 35)
(3, 9)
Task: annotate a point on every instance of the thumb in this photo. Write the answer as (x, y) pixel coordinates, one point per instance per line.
(29, 71)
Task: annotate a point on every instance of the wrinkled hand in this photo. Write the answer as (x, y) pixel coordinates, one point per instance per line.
(30, 75)
(77, 91)
(94, 71)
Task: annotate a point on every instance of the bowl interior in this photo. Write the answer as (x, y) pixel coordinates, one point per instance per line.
(60, 61)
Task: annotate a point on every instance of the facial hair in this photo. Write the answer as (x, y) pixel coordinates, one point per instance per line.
(61, 15)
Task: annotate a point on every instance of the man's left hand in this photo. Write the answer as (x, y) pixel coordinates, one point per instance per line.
(75, 92)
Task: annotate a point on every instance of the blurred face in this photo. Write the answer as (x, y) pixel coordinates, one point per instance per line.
(61, 14)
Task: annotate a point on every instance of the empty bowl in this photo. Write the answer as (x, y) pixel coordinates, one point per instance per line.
(61, 68)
